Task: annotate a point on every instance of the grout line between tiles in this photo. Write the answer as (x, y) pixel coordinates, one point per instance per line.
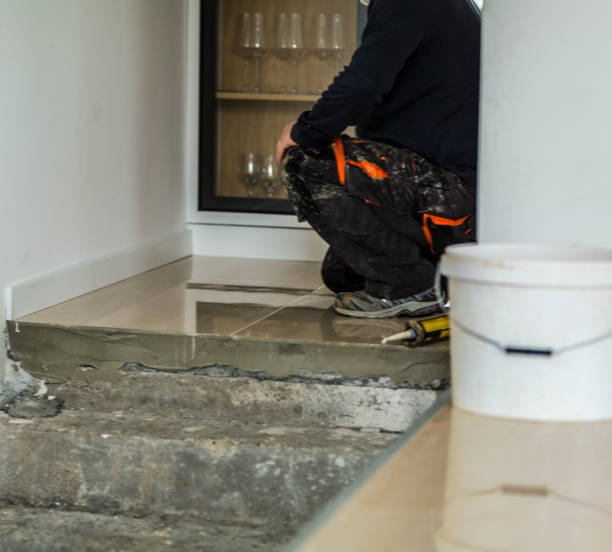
(267, 315)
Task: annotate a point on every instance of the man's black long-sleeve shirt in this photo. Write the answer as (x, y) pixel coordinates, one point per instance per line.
(413, 82)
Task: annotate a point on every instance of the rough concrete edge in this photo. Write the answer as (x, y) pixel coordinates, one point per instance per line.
(393, 354)
(16, 381)
(219, 371)
(324, 515)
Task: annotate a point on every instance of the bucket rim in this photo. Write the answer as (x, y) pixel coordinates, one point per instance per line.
(520, 263)
(580, 255)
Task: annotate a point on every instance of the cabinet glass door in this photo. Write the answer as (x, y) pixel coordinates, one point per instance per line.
(263, 62)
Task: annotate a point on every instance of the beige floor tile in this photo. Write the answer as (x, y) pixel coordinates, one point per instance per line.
(226, 319)
(224, 312)
(467, 482)
(170, 298)
(311, 318)
(123, 300)
(224, 296)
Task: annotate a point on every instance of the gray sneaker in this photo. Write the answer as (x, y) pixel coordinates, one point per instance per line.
(361, 305)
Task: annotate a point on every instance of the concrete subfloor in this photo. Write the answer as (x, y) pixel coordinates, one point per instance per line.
(56, 530)
(189, 461)
(211, 404)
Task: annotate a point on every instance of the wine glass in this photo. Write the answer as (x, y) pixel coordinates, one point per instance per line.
(251, 46)
(321, 41)
(336, 42)
(295, 45)
(257, 45)
(249, 171)
(245, 48)
(282, 42)
(269, 174)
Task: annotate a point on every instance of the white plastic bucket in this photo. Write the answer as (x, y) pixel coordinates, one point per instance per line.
(531, 331)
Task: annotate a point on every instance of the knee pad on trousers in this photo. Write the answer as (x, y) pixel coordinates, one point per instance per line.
(338, 276)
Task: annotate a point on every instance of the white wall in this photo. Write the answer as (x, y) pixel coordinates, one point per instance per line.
(91, 132)
(546, 111)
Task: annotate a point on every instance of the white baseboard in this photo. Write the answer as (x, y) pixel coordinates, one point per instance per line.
(257, 242)
(50, 289)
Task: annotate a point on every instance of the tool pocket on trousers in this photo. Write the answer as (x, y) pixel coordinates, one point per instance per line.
(441, 232)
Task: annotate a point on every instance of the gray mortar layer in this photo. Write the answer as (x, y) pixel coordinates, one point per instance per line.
(225, 472)
(57, 354)
(14, 380)
(245, 398)
(27, 405)
(38, 530)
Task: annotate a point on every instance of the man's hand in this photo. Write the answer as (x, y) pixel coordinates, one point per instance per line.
(284, 141)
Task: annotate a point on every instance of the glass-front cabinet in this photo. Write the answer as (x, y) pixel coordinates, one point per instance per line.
(263, 62)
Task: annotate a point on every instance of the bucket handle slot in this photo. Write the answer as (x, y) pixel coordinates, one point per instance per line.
(534, 351)
(526, 351)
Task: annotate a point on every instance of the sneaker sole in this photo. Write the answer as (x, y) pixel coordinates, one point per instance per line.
(423, 309)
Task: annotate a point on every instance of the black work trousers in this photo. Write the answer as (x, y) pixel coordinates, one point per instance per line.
(386, 212)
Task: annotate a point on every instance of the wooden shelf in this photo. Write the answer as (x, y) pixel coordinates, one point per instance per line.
(267, 97)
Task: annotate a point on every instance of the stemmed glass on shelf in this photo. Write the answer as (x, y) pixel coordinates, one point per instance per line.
(329, 39)
(252, 46)
(249, 171)
(321, 41)
(282, 44)
(255, 169)
(269, 174)
(290, 44)
(337, 45)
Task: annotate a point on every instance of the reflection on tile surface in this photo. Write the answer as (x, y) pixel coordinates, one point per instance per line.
(311, 318)
(225, 319)
(151, 301)
(256, 272)
(248, 288)
(224, 310)
(483, 484)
